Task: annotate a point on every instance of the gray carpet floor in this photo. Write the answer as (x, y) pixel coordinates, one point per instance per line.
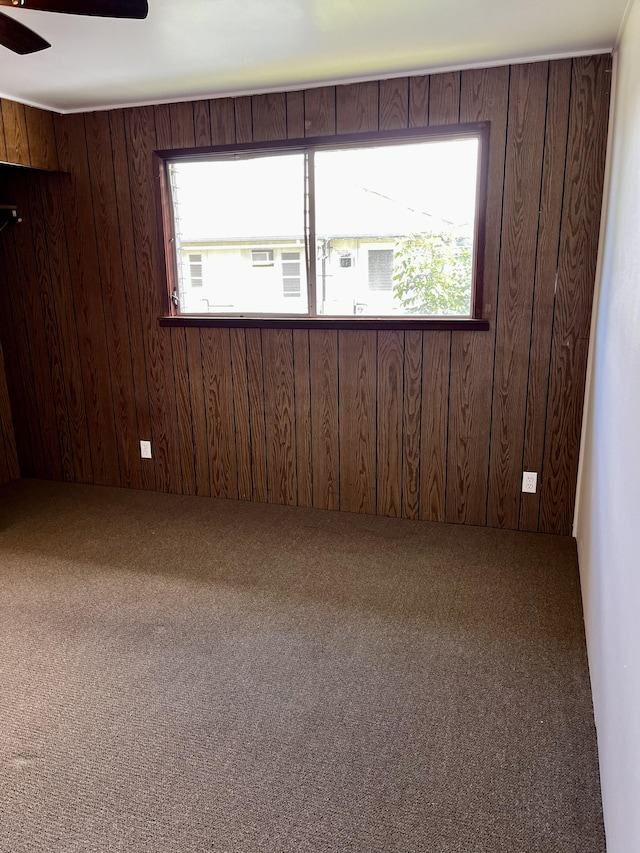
(183, 675)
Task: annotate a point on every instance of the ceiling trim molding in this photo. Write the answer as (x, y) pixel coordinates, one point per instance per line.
(334, 81)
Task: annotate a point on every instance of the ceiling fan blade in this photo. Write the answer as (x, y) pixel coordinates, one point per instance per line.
(99, 8)
(18, 38)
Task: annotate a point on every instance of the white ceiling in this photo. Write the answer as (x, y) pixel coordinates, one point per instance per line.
(205, 48)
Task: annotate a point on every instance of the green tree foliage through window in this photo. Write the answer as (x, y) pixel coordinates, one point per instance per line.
(432, 274)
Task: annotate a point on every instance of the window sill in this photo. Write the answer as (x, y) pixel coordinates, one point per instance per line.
(406, 323)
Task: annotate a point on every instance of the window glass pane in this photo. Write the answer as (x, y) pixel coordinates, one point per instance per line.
(395, 228)
(243, 217)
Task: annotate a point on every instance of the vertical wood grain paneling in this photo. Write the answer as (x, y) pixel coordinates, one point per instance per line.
(141, 140)
(132, 284)
(257, 415)
(586, 147)
(195, 363)
(223, 123)
(27, 309)
(357, 108)
(390, 380)
(444, 98)
(202, 123)
(7, 441)
(243, 119)
(218, 396)
(162, 124)
(394, 104)
(411, 424)
(48, 313)
(436, 356)
(484, 97)
(27, 136)
(295, 115)
(555, 147)
(242, 429)
(419, 101)
(3, 144)
(18, 356)
(320, 111)
(358, 420)
(41, 138)
(12, 468)
(325, 451)
(444, 108)
(68, 333)
(115, 298)
(279, 393)
(15, 132)
(5, 476)
(7, 419)
(181, 133)
(429, 425)
(525, 141)
(302, 391)
(28, 442)
(12, 377)
(186, 436)
(87, 289)
(269, 117)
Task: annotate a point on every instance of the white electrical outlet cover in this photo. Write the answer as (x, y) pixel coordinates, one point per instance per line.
(145, 449)
(529, 482)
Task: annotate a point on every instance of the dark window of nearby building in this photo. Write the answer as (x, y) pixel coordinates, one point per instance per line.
(195, 270)
(291, 271)
(380, 269)
(262, 257)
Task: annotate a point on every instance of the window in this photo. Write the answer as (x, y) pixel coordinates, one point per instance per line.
(386, 228)
(380, 269)
(262, 257)
(291, 275)
(195, 270)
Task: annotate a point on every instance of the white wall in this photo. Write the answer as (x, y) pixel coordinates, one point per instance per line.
(608, 518)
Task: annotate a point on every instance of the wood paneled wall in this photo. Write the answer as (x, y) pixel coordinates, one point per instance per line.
(425, 425)
(9, 469)
(27, 137)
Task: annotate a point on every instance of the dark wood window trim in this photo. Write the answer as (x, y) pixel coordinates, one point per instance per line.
(171, 316)
(435, 323)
